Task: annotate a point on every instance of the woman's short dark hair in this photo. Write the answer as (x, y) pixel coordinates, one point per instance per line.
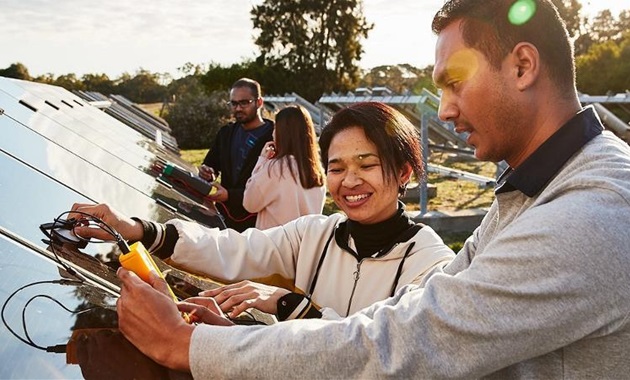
(487, 28)
(396, 139)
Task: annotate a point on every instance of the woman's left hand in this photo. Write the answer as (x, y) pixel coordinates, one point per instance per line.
(269, 150)
(236, 298)
(204, 310)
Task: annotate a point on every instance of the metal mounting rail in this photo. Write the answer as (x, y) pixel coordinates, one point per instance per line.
(319, 113)
(460, 174)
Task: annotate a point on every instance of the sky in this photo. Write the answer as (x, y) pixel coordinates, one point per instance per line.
(118, 36)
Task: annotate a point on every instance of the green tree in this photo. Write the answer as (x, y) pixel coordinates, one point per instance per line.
(98, 83)
(195, 117)
(601, 28)
(68, 81)
(605, 67)
(623, 22)
(312, 39)
(570, 11)
(17, 71)
(400, 79)
(274, 79)
(48, 78)
(604, 27)
(144, 87)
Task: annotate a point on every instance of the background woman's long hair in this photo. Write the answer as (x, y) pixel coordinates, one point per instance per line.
(295, 136)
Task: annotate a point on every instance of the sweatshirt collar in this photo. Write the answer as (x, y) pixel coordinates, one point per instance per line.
(542, 165)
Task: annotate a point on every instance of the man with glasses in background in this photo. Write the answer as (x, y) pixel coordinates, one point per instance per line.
(235, 152)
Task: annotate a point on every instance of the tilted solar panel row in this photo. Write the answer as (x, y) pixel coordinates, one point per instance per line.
(130, 114)
(56, 149)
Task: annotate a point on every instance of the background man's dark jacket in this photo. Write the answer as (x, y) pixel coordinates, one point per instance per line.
(219, 158)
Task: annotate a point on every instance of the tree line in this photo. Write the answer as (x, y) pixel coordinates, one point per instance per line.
(322, 39)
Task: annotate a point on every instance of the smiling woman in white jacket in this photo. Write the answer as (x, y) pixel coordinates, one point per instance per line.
(316, 265)
(288, 180)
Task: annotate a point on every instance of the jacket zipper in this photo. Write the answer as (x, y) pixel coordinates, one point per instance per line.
(357, 274)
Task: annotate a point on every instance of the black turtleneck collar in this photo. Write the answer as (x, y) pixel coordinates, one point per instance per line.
(373, 240)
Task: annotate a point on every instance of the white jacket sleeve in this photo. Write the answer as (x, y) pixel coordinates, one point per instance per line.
(232, 256)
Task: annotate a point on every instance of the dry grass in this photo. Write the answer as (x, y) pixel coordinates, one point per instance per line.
(452, 194)
(194, 156)
(152, 108)
(458, 194)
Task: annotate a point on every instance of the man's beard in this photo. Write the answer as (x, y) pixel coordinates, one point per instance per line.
(244, 117)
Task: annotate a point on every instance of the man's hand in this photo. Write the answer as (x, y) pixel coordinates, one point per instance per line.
(150, 320)
(128, 228)
(207, 173)
(221, 195)
(236, 298)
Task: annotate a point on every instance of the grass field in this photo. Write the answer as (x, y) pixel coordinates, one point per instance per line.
(194, 156)
(452, 194)
(152, 108)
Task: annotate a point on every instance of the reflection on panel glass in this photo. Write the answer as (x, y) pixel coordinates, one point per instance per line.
(87, 178)
(26, 144)
(74, 114)
(91, 180)
(47, 323)
(68, 104)
(30, 198)
(82, 143)
(56, 151)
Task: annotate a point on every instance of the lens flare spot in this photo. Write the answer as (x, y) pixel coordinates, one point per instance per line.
(521, 11)
(462, 65)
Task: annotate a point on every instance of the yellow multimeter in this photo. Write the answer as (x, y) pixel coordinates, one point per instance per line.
(139, 261)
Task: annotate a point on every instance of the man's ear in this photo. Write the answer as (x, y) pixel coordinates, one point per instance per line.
(526, 63)
(259, 102)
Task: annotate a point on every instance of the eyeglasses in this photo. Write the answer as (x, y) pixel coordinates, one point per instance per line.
(242, 103)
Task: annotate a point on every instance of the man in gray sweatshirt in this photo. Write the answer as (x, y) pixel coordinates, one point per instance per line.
(540, 290)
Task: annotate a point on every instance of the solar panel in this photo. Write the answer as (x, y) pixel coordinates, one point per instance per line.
(47, 323)
(128, 113)
(55, 150)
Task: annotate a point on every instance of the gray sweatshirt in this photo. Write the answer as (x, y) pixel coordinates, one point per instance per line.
(540, 291)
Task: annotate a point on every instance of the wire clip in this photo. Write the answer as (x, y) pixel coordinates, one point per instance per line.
(61, 231)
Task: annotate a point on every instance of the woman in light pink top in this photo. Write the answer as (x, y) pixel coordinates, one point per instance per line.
(288, 180)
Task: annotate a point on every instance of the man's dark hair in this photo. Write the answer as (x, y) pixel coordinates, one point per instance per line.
(487, 28)
(396, 139)
(253, 86)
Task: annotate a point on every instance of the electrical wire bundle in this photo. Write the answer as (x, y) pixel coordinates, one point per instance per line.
(61, 231)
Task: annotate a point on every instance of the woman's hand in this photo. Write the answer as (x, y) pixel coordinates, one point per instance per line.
(128, 228)
(269, 150)
(236, 298)
(150, 320)
(204, 310)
